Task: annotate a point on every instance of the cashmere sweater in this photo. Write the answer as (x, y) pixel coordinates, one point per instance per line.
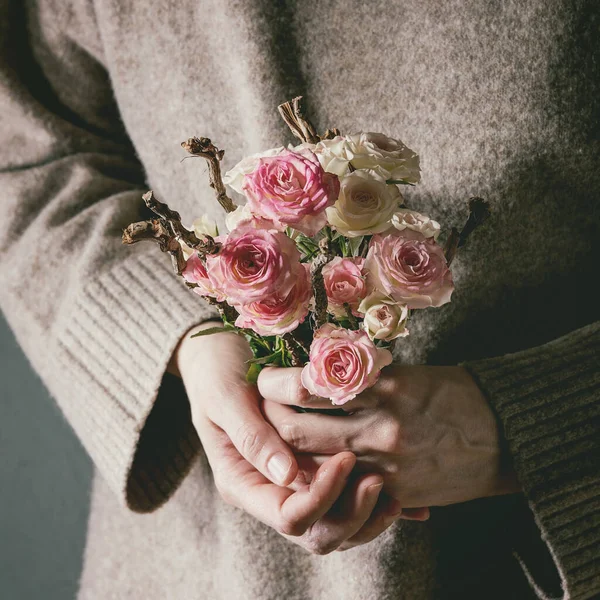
(500, 99)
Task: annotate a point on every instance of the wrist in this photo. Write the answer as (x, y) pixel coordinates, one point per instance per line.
(183, 347)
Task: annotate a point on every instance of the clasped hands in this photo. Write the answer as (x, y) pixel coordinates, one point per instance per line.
(421, 437)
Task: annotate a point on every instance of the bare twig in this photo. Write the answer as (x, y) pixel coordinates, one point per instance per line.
(479, 211)
(451, 245)
(318, 283)
(156, 230)
(206, 149)
(291, 112)
(227, 312)
(330, 134)
(167, 230)
(292, 346)
(350, 315)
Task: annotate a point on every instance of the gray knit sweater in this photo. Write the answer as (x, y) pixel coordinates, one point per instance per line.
(500, 98)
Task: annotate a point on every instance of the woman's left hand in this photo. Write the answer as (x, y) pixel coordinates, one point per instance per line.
(428, 430)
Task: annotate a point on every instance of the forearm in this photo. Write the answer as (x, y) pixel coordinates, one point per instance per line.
(548, 403)
(99, 321)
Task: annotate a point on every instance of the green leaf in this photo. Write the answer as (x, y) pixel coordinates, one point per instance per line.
(274, 358)
(399, 182)
(213, 330)
(253, 373)
(355, 244)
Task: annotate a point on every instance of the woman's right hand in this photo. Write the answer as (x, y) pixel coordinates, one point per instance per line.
(252, 466)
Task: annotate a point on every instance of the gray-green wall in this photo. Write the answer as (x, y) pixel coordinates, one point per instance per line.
(45, 480)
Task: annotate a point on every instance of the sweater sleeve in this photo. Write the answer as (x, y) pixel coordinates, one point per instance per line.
(97, 320)
(548, 403)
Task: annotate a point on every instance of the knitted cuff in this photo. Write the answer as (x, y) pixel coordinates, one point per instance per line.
(548, 402)
(113, 348)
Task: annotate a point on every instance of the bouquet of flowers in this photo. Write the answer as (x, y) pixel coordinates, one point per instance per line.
(324, 264)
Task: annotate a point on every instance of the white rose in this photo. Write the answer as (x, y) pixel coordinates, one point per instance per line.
(365, 205)
(203, 225)
(389, 157)
(334, 155)
(233, 219)
(384, 318)
(410, 219)
(187, 251)
(234, 178)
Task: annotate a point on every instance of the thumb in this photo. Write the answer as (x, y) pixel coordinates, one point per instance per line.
(258, 442)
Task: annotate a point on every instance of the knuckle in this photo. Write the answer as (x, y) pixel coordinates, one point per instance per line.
(393, 437)
(320, 547)
(318, 541)
(291, 527)
(292, 434)
(250, 440)
(295, 391)
(392, 469)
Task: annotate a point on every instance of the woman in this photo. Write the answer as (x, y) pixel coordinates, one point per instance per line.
(500, 100)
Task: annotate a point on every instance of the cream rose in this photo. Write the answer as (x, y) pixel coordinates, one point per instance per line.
(389, 157)
(384, 318)
(239, 215)
(365, 205)
(410, 219)
(202, 226)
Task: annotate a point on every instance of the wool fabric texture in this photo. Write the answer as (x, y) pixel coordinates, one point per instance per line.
(500, 99)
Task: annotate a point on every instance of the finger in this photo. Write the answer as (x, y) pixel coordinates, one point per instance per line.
(307, 505)
(347, 517)
(316, 433)
(290, 513)
(416, 514)
(385, 514)
(284, 385)
(257, 441)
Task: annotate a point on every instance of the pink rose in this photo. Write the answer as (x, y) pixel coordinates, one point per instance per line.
(291, 189)
(344, 283)
(195, 272)
(410, 268)
(278, 313)
(342, 364)
(254, 263)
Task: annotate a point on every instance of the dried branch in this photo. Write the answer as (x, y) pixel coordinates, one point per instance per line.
(318, 283)
(292, 346)
(157, 230)
(167, 231)
(330, 134)
(172, 219)
(351, 317)
(227, 312)
(451, 245)
(206, 149)
(291, 112)
(479, 211)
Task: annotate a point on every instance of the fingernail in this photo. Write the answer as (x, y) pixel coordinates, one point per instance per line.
(278, 466)
(375, 488)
